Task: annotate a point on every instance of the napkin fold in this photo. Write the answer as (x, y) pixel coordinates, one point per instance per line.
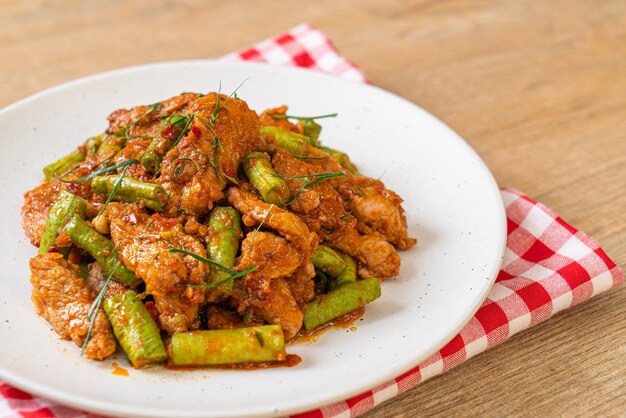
(548, 265)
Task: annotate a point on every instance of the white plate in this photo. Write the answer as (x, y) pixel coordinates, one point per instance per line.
(453, 207)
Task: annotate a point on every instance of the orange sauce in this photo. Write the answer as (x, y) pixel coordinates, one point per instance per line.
(344, 321)
(119, 371)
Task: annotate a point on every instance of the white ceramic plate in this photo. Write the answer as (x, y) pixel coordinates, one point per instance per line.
(452, 203)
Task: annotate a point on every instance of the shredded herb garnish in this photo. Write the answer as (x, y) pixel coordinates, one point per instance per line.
(330, 115)
(319, 177)
(112, 194)
(267, 214)
(234, 93)
(259, 338)
(93, 310)
(184, 131)
(234, 274)
(307, 157)
(226, 280)
(177, 169)
(98, 172)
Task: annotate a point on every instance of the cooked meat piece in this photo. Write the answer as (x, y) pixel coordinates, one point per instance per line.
(280, 308)
(378, 208)
(178, 310)
(277, 307)
(302, 287)
(218, 317)
(37, 203)
(274, 258)
(143, 243)
(217, 138)
(272, 255)
(146, 120)
(287, 224)
(64, 300)
(134, 149)
(96, 280)
(329, 215)
(266, 119)
(377, 258)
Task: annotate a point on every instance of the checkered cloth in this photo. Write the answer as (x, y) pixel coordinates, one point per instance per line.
(548, 265)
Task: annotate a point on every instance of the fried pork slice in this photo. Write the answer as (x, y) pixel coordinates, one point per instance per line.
(288, 225)
(144, 244)
(377, 209)
(37, 203)
(267, 119)
(64, 299)
(376, 257)
(264, 291)
(319, 206)
(220, 136)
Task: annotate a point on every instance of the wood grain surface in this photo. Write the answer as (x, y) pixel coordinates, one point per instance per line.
(538, 88)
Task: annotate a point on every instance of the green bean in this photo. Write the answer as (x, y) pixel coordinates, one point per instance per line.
(63, 209)
(269, 184)
(340, 301)
(152, 195)
(223, 245)
(321, 282)
(328, 260)
(92, 144)
(63, 164)
(312, 130)
(234, 346)
(348, 275)
(110, 146)
(342, 159)
(135, 329)
(100, 248)
(154, 153)
(295, 143)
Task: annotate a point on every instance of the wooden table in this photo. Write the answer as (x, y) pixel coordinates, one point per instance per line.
(538, 88)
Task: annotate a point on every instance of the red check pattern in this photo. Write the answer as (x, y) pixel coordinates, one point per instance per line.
(548, 265)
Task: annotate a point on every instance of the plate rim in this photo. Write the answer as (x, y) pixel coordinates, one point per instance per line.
(109, 407)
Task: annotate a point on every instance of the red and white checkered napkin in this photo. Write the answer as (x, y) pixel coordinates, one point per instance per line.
(548, 265)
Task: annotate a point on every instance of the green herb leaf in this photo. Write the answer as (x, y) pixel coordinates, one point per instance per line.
(259, 338)
(330, 115)
(93, 310)
(226, 280)
(98, 172)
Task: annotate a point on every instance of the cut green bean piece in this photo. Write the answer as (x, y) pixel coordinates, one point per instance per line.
(312, 130)
(64, 208)
(135, 329)
(153, 196)
(110, 146)
(100, 248)
(222, 247)
(92, 144)
(342, 159)
(348, 275)
(328, 260)
(234, 346)
(264, 178)
(293, 142)
(154, 153)
(63, 164)
(340, 301)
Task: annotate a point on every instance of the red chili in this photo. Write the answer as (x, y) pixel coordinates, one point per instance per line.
(196, 131)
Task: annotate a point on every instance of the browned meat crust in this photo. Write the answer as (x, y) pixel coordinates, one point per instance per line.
(195, 186)
(37, 203)
(64, 299)
(143, 243)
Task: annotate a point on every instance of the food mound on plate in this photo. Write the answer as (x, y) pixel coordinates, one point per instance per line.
(196, 232)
